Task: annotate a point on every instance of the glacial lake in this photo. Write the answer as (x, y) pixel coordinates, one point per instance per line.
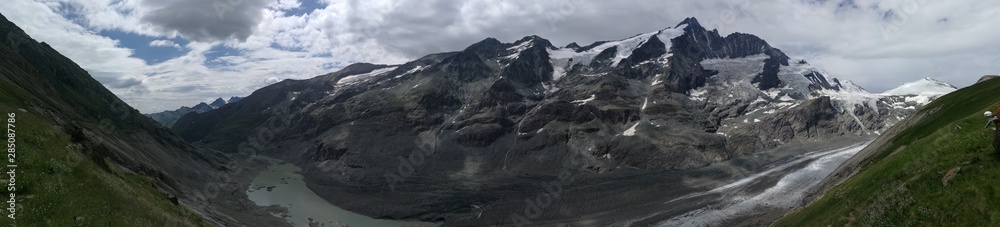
(281, 184)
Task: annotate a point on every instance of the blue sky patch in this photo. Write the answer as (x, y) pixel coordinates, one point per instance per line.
(306, 6)
(141, 48)
(218, 51)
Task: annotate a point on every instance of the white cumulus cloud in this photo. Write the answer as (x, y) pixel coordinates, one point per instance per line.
(164, 43)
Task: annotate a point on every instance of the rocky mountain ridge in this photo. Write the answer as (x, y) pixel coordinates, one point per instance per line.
(169, 117)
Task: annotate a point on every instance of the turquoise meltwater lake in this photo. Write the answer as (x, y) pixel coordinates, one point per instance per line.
(282, 184)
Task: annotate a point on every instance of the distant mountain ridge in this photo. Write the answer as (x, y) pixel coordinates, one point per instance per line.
(168, 118)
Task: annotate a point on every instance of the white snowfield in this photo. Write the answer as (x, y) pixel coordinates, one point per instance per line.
(562, 59)
(359, 78)
(922, 91)
(584, 101)
(565, 58)
(926, 86)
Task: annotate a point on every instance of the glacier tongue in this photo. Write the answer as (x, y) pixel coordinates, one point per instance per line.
(738, 199)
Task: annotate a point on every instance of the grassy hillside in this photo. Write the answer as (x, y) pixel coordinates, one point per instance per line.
(60, 184)
(84, 157)
(57, 185)
(902, 184)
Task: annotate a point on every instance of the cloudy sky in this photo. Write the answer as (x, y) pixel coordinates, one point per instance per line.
(162, 54)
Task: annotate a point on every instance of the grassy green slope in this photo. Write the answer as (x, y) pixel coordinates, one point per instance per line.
(902, 184)
(58, 184)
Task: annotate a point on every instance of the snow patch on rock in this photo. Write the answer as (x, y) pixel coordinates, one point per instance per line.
(361, 78)
(630, 131)
(584, 101)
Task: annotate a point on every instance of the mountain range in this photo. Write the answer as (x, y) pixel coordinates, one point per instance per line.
(629, 119)
(169, 117)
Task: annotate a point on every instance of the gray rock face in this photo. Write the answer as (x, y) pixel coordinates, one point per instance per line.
(814, 119)
(499, 115)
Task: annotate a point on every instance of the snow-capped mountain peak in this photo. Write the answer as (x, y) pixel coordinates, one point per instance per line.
(918, 92)
(925, 87)
(689, 21)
